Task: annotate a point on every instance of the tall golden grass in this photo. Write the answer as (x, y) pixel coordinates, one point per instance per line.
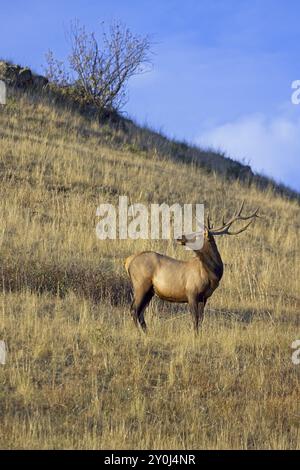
(78, 375)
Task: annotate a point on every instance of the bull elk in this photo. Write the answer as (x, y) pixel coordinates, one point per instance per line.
(173, 280)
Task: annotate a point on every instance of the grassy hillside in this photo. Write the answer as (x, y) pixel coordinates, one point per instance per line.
(78, 374)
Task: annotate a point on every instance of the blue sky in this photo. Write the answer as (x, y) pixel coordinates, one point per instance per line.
(222, 69)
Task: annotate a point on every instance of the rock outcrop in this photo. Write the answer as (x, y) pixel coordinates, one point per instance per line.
(16, 76)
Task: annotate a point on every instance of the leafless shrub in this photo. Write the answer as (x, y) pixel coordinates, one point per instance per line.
(97, 72)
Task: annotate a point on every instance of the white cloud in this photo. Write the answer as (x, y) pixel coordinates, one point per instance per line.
(271, 145)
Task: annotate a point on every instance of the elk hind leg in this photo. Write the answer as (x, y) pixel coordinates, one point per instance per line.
(138, 307)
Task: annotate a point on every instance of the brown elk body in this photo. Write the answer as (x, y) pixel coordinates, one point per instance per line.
(191, 281)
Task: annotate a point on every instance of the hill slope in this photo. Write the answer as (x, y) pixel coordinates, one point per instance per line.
(78, 374)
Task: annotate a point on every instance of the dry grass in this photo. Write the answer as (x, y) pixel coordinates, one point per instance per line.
(78, 375)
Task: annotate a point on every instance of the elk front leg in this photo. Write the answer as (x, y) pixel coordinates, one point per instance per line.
(201, 306)
(193, 304)
(197, 311)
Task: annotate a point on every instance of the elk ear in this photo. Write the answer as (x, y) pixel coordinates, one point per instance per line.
(181, 240)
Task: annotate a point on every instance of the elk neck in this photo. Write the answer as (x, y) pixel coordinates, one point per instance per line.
(211, 259)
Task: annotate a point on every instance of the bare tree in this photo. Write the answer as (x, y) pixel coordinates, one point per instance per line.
(99, 71)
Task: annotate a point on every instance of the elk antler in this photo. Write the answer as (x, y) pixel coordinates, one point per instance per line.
(208, 223)
(224, 230)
